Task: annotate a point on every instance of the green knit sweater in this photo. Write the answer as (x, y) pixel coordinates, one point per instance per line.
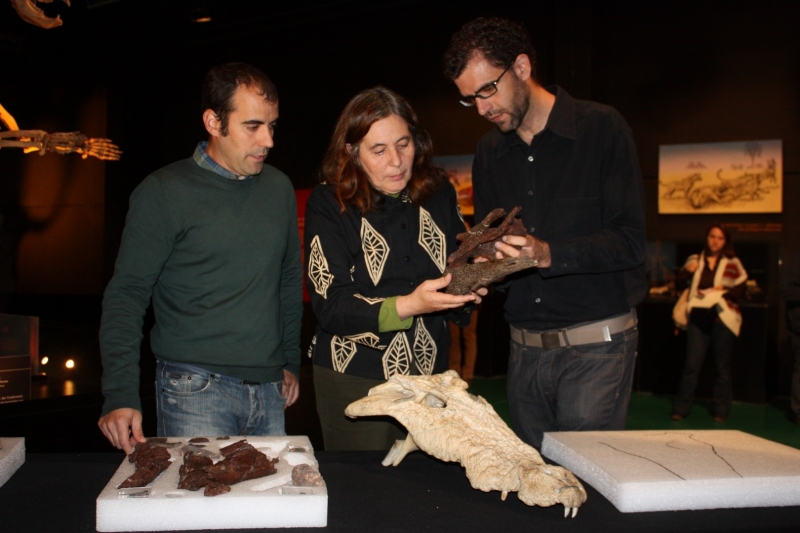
(221, 260)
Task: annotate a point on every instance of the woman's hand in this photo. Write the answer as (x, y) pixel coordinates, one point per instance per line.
(427, 299)
(692, 267)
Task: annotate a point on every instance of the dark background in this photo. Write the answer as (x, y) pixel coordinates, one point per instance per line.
(678, 71)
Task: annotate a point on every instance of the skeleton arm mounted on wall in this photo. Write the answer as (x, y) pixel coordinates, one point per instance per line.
(60, 143)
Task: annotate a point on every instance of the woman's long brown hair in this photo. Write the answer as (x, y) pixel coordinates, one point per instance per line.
(341, 167)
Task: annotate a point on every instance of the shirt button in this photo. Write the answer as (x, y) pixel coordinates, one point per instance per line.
(411, 284)
(532, 229)
(530, 193)
(407, 258)
(403, 225)
(538, 300)
(530, 158)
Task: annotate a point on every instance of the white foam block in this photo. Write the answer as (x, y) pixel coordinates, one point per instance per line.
(12, 456)
(675, 470)
(271, 501)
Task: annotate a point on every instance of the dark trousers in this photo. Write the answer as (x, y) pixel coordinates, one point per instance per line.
(572, 388)
(698, 341)
(335, 391)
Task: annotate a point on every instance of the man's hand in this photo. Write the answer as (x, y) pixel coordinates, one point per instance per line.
(122, 428)
(527, 246)
(483, 291)
(290, 388)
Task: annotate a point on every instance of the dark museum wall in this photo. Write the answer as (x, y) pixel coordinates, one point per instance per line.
(679, 71)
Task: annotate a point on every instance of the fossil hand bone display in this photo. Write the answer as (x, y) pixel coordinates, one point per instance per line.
(445, 421)
(479, 241)
(60, 143)
(30, 13)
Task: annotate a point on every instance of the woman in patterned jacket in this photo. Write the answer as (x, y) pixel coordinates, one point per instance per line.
(716, 278)
(378, 231)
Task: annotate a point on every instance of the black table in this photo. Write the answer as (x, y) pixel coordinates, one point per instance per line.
(57, 492)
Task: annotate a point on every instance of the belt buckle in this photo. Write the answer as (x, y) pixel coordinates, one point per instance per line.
(550, 339)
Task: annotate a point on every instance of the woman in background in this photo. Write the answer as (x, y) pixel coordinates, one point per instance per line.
(716, 278)
(377, 236)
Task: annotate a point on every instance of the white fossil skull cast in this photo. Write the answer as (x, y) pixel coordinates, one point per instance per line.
(444, 420)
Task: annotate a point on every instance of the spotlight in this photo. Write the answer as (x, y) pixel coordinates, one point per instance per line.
(200, 14)
(70, 363)
(45, 360)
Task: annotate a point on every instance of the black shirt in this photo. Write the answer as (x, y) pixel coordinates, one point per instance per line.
(356, 262)
(580, 189)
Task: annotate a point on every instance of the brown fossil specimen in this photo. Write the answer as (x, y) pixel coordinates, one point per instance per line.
(242, 462)
(479, 241)
(304, 475)
(445, 421)
(151, 459)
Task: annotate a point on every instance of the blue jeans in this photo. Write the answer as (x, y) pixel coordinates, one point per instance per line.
(697, 344)
(572, 388)
(191, 401)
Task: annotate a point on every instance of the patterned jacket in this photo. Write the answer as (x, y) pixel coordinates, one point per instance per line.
(355, 262)
(729, 274)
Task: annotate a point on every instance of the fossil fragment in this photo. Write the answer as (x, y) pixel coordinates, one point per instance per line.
(445, 421)
(242, 462)
(192, 475)
(479, 241)
(151, 459)
(304, 475)
(215, 489)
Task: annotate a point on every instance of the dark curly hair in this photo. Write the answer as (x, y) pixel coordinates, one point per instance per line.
(221, 83)
(499, 40)
(341, 168)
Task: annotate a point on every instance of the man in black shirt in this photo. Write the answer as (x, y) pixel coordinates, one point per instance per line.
(572, 166)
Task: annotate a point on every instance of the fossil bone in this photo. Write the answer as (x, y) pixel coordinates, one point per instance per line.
(445, 421)
(60, 143)
(479, 241)
(30, 13)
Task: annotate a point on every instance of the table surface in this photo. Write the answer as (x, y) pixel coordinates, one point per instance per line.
(57, 492)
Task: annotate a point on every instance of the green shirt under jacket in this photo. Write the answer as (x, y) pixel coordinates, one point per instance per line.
(221, 260)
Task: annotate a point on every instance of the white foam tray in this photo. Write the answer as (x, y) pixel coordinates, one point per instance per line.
(271, 501)
(659, 470)
(12, 456)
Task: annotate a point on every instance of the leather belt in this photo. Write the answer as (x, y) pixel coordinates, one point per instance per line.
(587, 333)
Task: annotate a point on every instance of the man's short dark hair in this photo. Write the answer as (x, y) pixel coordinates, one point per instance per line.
(221, 83)
(499, 40)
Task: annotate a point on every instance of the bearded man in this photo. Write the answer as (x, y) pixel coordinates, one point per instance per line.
(572, 166)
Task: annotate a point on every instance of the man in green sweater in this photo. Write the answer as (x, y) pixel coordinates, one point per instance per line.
(213, 240)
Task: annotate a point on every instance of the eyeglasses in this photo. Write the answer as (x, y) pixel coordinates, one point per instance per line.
(484, 92)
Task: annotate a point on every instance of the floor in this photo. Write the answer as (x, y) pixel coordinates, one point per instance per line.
(62, 416)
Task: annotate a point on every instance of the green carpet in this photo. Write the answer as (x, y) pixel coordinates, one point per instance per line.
(648, 411)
